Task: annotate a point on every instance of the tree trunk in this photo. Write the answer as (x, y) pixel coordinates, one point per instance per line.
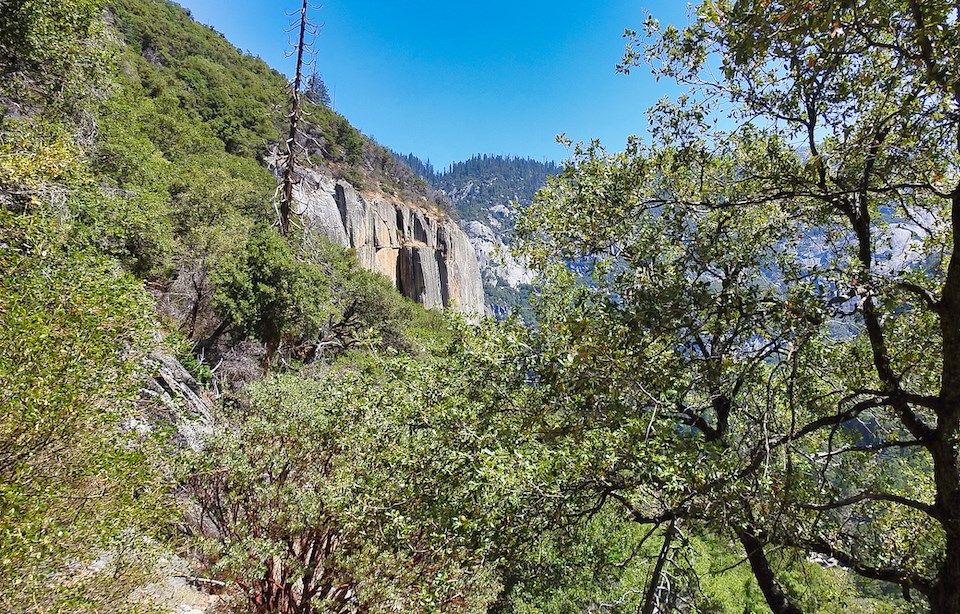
(650, 600)
(776, 598)
(289, 171)
(945, 597)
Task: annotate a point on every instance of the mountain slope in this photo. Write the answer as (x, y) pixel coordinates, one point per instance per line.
(135, 221)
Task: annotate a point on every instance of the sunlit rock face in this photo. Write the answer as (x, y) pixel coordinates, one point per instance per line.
(497, 263)
(427, 257)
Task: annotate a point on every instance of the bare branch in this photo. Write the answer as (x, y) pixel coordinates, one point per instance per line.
(887, 574)
(923, 293)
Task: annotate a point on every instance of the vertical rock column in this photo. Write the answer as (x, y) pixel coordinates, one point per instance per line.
(420, 276)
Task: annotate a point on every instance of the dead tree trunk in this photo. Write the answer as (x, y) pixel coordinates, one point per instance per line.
(290, 165)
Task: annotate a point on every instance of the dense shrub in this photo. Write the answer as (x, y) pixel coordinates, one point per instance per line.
(263, 291)
(74, 479)
(324, 498)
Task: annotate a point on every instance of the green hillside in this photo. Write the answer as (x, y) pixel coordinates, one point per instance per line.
(136, 218)
(190, 399)
(482, 182)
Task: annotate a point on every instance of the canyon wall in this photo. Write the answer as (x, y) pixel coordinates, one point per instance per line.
(428, 257)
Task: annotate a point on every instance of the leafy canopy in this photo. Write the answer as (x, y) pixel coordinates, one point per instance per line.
(768, 328)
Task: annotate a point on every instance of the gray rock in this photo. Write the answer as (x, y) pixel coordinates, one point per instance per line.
(176, 589)
(464, 286)
(316, 195)
(495, 259)
(420, 278)
(183, 401)
(427, 257)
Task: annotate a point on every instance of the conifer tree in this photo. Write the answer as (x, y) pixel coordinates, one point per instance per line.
(316, 90)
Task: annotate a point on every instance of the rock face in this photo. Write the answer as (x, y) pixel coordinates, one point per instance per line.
(179, 401)
(497, 264)
(429, 259)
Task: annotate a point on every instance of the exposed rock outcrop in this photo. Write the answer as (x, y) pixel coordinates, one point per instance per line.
(497, 263)
(179, 400)
(428, 258)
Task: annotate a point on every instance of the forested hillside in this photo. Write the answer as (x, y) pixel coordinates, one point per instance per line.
(483, 181)
(744, 398)
(137, 227)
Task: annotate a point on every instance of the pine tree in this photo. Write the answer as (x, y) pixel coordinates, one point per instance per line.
(316, 90)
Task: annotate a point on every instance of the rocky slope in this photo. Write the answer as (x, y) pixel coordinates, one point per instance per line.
(498, 265)
(427, 256)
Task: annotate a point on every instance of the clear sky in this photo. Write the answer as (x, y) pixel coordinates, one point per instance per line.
(445, 80)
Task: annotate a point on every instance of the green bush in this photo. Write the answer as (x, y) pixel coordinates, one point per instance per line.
(263, 291)
(210, 187)
(75, 479)
(366, 301)
(323, 494)
(36, 32)
(47, 52)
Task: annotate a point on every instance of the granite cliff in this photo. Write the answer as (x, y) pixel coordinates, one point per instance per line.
(487, 192)
(428, 256)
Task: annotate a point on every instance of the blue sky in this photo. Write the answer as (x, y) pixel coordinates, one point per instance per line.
(446, 80)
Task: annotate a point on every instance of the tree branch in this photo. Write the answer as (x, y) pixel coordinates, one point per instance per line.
(927, 509)
(894, 575)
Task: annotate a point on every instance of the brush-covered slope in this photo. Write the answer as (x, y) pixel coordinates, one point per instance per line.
(135, 229)
(237, 98)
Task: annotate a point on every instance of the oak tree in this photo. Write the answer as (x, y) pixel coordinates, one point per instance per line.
(772, 322)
